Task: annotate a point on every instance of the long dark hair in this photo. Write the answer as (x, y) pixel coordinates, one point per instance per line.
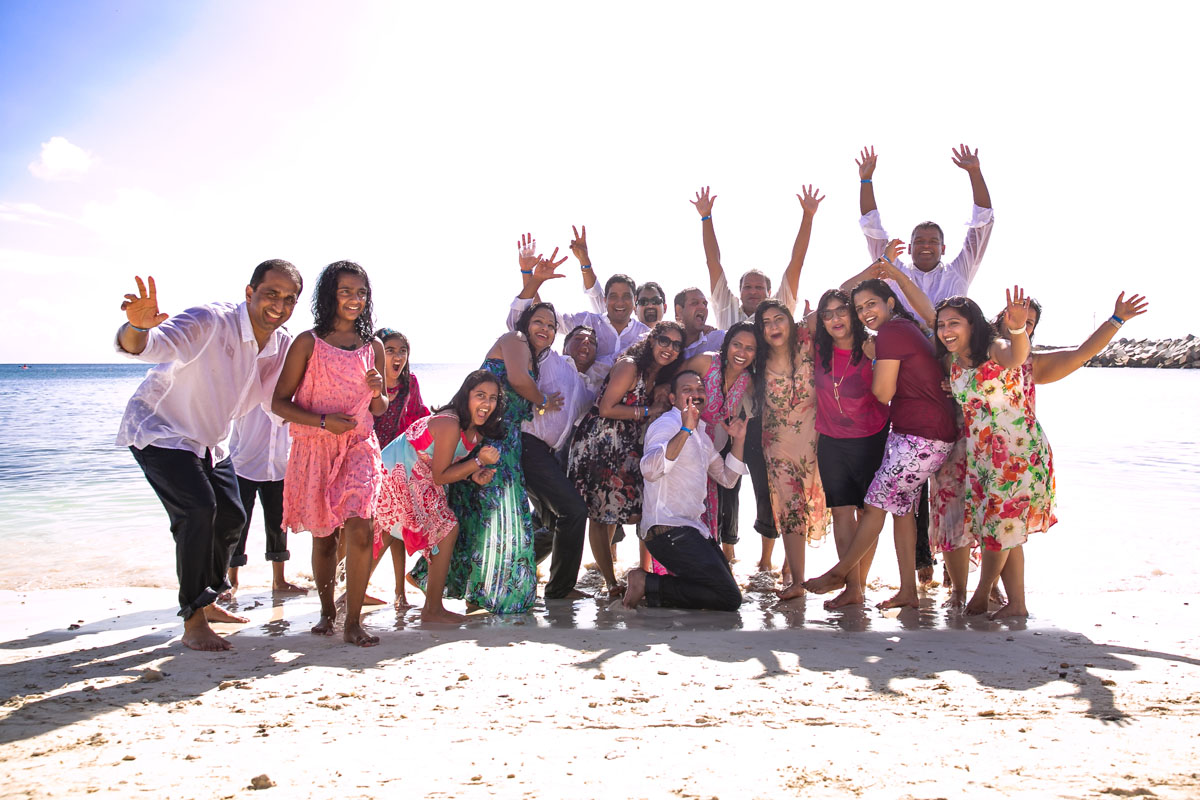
(764, 349)
(982, 332)
(324, 302)
(883, 291)
(745, 326)
(642, 353)
(492, 428)
(1002, 327)
(403, 380)
(523, 327)
(824, 340)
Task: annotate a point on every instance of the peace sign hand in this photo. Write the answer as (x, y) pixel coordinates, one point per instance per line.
(1135, 306)
(1016, 310)
(579, 246)
(141, 309)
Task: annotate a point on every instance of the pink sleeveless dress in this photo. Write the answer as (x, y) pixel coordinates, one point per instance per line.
(332, 477)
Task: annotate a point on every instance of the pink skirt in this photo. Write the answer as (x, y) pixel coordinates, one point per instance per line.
(418, 505)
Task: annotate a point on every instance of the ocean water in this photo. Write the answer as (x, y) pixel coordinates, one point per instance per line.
(76, 511)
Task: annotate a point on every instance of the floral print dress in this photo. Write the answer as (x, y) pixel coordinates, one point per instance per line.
(719, 408)
(605, 460)
(1009, 487)
(790, 446)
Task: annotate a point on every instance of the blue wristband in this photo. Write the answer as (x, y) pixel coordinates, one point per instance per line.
(865, 180)
(526, 272)
(1114, 318)
(585, 266)
(706, 219)
(686, 428)
(136, 328)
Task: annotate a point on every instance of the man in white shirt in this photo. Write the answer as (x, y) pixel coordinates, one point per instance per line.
(677, 461)
(691, 311)
(213, 364)
(259, 449)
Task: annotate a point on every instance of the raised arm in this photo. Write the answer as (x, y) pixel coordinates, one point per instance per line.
(1013, 351)
(141, 314)
(1054, 366)
(540, 271)
(967, 159)
(580, 251)
(917, 299)
(866, 189)
(809, 201)
(515, 351)
(712, 251)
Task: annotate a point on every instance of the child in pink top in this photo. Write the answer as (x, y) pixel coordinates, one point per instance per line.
(331, 389)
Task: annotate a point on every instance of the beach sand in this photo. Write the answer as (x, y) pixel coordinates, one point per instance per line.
(1097, 696)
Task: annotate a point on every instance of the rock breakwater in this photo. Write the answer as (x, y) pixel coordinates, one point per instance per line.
(1159, 353)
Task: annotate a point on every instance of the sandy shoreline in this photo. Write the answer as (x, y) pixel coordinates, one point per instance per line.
(1095, 697)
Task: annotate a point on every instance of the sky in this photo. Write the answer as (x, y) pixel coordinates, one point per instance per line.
(190, 141)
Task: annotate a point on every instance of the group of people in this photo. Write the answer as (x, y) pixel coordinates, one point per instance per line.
(896, 395)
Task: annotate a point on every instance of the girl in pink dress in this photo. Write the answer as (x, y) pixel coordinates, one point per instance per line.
(331, 389)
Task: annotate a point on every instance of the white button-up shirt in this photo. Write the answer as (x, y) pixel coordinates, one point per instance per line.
(208, 372)
(259, 446)
(708, 342)
(944, 280)
(558, 373)
(726, 307)
(675, 490)
(610, 343)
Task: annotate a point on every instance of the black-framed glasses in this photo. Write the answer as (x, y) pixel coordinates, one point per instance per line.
(666, 341)
(839, 311)
(650, 301)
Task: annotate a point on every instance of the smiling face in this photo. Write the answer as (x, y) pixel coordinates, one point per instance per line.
(651, 306)
(582, 349)
(271, 304)
(351, 296)
(776, 329)
(542, 327)
(835, 316)
(954, 331)
(754, 290)
(619, 302)
(688, 391)
(667, 347)
(872, 309)
(926, 248)
(742, 349)
(395, 357)
(693, 313)
(481, 401)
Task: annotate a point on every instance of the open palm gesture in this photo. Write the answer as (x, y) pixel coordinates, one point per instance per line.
(141, 309)
(704, 202)
(809, 199)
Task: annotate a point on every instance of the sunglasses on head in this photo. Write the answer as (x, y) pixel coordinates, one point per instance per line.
(650, 301)
(666, 341)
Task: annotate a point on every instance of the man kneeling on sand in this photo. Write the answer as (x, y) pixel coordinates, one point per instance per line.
(679, 459)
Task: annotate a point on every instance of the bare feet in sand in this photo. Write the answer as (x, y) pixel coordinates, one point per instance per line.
(975, 607)
(791, 592)
(354, 634)
(825, 583)
(957, 601)
(287, 588)
(765, 566)
(846, 598)
(198, 636)
(899, 600)
(1010, 611)
(636, 588)
(925, 575)
(997, 597)
(574, 594)
(214, 613)
(401, 602)
(324, 626)
(441, 615)
(228, 596)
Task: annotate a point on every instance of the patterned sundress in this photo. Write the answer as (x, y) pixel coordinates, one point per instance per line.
(790, 446)
(605, 460)
(1009, 487)
(719, 408)
(332, 477)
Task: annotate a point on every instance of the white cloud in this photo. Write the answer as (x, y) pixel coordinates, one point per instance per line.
(30, 214)
(61, 161)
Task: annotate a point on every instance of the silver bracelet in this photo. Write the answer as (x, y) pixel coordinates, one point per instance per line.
(1016, 332)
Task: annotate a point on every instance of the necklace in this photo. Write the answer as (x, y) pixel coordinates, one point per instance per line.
(837, 382)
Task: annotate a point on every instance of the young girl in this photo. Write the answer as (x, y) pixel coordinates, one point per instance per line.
(1009, 488)
(909, 377)
(330, 389)
(404, 408)
(433, 452)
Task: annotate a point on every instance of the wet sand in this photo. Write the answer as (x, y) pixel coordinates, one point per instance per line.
(1096, 696)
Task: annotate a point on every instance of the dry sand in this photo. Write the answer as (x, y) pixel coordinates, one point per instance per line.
(1096, 697)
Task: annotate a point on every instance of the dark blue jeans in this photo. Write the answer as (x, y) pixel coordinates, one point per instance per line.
(756, 462)
(702, 578)
(270, 493)
(205, 509)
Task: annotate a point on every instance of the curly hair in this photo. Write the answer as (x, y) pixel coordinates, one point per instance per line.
(403, 381)
(982, 332)
(764, 350)
(522, 326)
(493, 427)
(824, 340)
(324, 302)
(642, 353)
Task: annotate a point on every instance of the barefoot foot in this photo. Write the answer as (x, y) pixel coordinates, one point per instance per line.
(925, 575)
(287, 588)
(324, 626)
(401, 602)
(997, 597)
(1010, 611)
(846, 598)
(976, 607)
(825, 583)
(372, 600)
(574, 594)
(957, 601)
(440, 615)
(636, 589)
(228, 596)
(214, 613)
(354, 634)
(199, 636)
(899, 600)
(791, 592)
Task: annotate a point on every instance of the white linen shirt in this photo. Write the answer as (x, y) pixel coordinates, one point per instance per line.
(610, 343)
(726, 307)
(208, 372)
(674, 490)
(944, 280)
(558, 373)
(708, 342)
(259, 446)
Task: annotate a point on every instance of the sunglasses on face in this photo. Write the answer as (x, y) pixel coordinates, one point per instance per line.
(650, 301)
(667, 341)
(830, 313)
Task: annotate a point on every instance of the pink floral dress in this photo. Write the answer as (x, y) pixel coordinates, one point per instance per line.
(333, 477)
(719, 408)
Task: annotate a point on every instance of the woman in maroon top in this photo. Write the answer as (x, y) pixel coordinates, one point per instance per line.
(909, 377)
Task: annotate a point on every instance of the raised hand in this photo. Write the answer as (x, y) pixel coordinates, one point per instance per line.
(488, 455)
(1135, 306)
(809, 200)
(894, 248)
(965, 158)
(736, 429)
(704, 203)
(691, 415)
(141, 309)
(544, 269)
(866, 163)
(579, 246)
(338, 424)
(1016, 309)
(375, 382)
(526, 248)
(554, 402)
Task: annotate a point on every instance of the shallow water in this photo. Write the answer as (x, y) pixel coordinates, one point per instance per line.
(76, 511)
